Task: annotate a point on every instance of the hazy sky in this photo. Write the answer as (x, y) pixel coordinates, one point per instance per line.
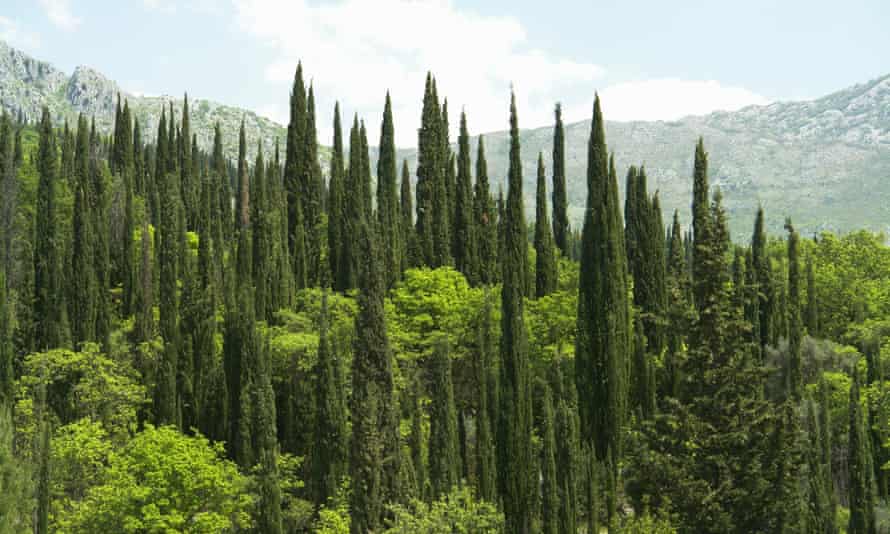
(649, 60)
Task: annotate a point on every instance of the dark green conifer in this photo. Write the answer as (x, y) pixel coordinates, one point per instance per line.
(700, 218)
(49, 302)
(561, 231)
(329, 454)
(485, 217)
(464, 234)
(375, 442)
(444, 462)
(546, 276)
(812, 311)
(567, 454)
(486, 375)
(795, 327)
(549, 486)
(514, 454)
(7, 354)
(83, 289)
(862, 514)
(429, 171)
(409, 237)
(336, 207)
(603, 339)
(365, 173)
(764, 279)
(388, 215)
(821, 514)
(294, 175)
(311, 195)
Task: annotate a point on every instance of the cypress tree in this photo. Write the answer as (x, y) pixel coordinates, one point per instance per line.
(336, 206)
(464, 235)
(48, 310)
(188, 182)
(567, 460)
(102, 260)
(486, 469)
(374, 423)
(429, 171)
(9, 187)
(83, 279)
(821, 513)
(410, 253)
(812, 310)
(787, 498)
(353, 210)
(312, 185)
(546, 276)
(388, 215)
(861, 502)
(700, 219)
(561, 231)
(44, 495)
(444, 463)
(602, 345)
(329, 453)
(514, 454)
(165, 395)
(764, 282)
(441, 190)
(294, 174)
(223, 226)
(643, 395)
(485, 220)
(549, 485)
(127, 271)
(417, 440)
(795, 328)
(365, 172)
(144, 322)
(631, 222)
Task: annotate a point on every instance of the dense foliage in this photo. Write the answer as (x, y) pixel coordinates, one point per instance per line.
(190, 344)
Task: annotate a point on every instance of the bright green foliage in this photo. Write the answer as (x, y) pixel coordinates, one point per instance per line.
(603, 344)
(464, 247)
(485, 217)
(514, 454)
(546, 275)
(561, 230)
(48, 309)
(456, 513)
(388, 212)
(189, 486)
(444, 462)
(647, 524)
(812, 309)
(16, 489)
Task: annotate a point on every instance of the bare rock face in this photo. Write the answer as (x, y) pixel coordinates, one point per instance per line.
(91, 93)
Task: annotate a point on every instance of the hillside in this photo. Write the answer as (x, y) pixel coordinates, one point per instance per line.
(825, 162)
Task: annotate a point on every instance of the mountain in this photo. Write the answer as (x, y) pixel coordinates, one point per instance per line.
(825, 163)
(26, 85)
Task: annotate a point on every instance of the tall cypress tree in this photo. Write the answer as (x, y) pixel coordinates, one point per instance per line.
(821, 515)
(387, 199)
(365, 174)
(374, 422)
(442, 189)
(795, 326)
(567, 454)
(329, 455)
(464, 234)
(166, 399)
(443, 449)
(83, 279)
(862, 514)
(561, 231)
(486, 468)
(294, 174)
(485, 217)
(410, 253)
(602, 345)
(429, 171)
(48, 310)
(514, 426)
(812, 311)
(102, 249)
(546, 276)
(312, 185)
(336, 206)
(764, 282)
(263, 255)
(700, 219)
(549, 485)
(353, 212)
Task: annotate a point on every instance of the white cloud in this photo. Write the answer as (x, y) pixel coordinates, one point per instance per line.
(670, 99)
(13, 34)
(59, 13)
(355, 50)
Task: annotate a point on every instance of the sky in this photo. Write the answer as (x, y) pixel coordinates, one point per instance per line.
(648, 59)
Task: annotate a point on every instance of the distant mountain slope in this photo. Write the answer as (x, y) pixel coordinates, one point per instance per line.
(27, 84)
(825, 162)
